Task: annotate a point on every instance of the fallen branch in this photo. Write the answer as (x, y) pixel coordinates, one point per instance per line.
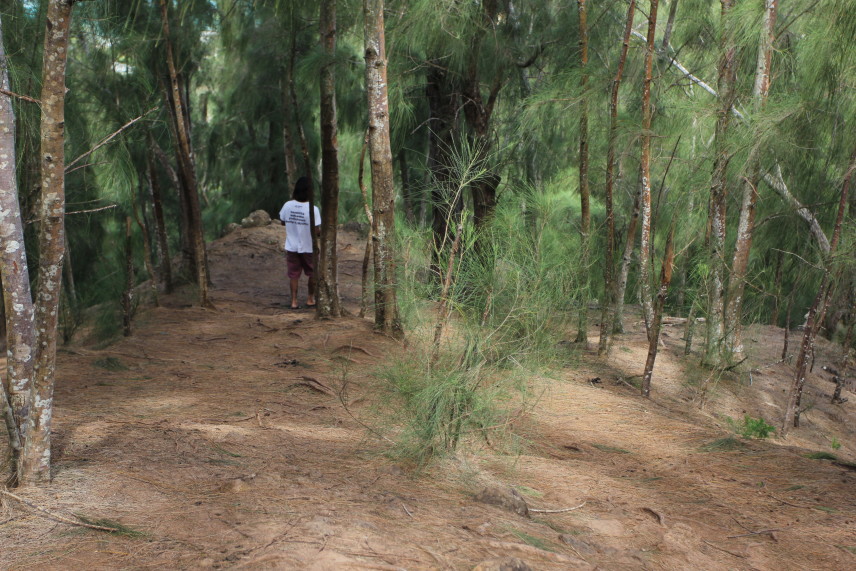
(563, 510)
(754, 533)
(56, 517)
(724, 550)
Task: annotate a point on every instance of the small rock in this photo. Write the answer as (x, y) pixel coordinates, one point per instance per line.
(230, 227)
(256, 219)
(506, 498)
(505, 564)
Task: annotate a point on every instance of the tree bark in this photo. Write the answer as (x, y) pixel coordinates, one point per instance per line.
(328, 301)
(608, 313)
(792, 412)
(746, 223)
(714, 343)
(383, 193)
(187, 167)
(128, 292)
(654, 337)
(406, 186)
(36, 455)
(160, 224)
(14, 275)
(645, 168)
(585, 207)
(626, 259)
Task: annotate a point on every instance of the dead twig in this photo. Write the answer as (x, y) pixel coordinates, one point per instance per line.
(563, 510)
(355, 419)
(789, 503)
(56, 517)
(724, 550)
(760, 532)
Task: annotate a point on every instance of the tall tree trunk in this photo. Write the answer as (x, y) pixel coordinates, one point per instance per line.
(726, 77)
(585, 208)
(746, 224)
(160, 224)
(654, 337)
(36, 456)
(186, 165)
(608, 312)
(328, 301)
(626, 259)
(645, 169)
(291, 167)
(380, 154)
(406, 186)
(442, 105)
(14, 275)
(128, 292)
(814, 317)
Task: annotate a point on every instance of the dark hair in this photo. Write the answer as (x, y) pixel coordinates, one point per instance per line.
(302, 190)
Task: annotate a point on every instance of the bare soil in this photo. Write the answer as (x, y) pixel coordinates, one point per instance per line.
(221, 438)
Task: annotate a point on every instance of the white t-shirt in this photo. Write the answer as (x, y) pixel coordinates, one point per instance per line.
(295, 215)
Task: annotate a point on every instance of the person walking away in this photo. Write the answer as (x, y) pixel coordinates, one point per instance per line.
(298, 241)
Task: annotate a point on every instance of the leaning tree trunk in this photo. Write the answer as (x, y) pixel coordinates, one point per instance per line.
(17, 298)
(187, 167)
(645, 170)
(328, 301)
(746, 224)
(654, 336)
(792, 412)
(380, 154)
(726, 78)
(36, 455)
(608, 311)
(585, 208)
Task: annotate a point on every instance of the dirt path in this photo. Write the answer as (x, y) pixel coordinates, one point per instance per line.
(220, 436)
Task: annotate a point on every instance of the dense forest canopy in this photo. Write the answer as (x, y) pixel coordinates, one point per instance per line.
(540, 142)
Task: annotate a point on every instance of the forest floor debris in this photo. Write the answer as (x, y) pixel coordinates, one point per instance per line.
(192, 432)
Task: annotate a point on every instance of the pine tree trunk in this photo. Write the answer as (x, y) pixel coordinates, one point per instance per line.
(128, 292)
(645, 168)
(713, 354)
(14, 275)
(328, 301)
(160, 225)
(291, 167)
(406, 186)
(186, 164)
(654, 337)
(380, 155)
(792, 412)
(36, 456)
(626, 259)
(585, 207)
(608, 312)
(746, 224)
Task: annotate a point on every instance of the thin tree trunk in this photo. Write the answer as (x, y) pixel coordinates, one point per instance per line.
(367, 257)
(147, 253)
(608, 312)
(626, 259)
(645, 168)
(328, 301)
(443, 311)
(36, 456)
(154, 187)
(17, 298)
(746, 224)
(726, 78)
(585, 208)
(654, 337)
(792, 412)
(291, 167)
(128, 292)
(383, 192)
(670, 22)
(406, 186)
(191, 190)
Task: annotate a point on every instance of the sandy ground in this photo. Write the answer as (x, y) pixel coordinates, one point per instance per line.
(221, 438)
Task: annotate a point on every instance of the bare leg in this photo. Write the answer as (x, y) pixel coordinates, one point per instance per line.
(293, 283)
(310, 297)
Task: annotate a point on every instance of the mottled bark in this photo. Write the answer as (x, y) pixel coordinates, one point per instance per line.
(36, 455)
(609, 308)
(746, 224)
(645, 176)
(186, 165)
(654, 337)
(17, 298)
(626, 259)
(814, 317)
(726, 77)
(328, 303)
(380, 153)
(585, 206)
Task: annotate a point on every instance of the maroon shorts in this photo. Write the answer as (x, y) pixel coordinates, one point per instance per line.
(297, 263)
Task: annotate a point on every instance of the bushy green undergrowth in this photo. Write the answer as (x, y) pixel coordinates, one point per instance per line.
(751, 427)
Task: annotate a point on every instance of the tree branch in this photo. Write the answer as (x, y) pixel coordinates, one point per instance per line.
(107, 139)
(777, 183)
(19, 96)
